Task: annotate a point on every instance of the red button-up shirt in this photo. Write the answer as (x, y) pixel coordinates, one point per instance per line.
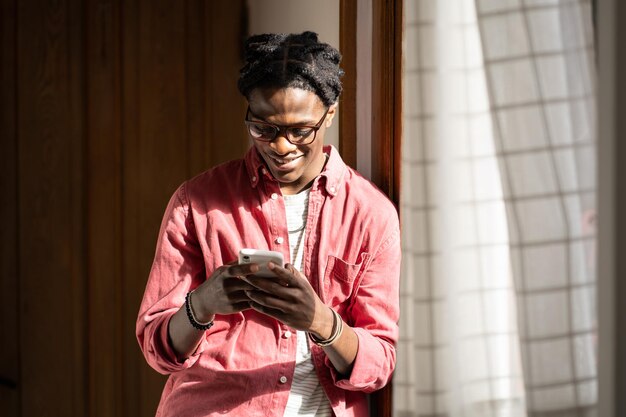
(244, 364)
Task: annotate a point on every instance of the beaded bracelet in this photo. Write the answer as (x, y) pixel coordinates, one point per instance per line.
(335, 334)
(192, 318)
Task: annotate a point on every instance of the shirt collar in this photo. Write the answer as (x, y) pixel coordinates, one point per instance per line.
(333, 173)
(331, 178)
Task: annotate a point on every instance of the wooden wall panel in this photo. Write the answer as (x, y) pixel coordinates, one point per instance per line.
(347, 110)
(106, 107)
(387, 95)
(225, 110)
(51, 288)
(9, 323)
(140, 380)
(155, 158)
(198, 119)
(180, 117)
(134, 366)
(387, 30)
(103, 209)
(144, 383)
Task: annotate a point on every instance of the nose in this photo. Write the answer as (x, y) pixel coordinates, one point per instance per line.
(280, 145)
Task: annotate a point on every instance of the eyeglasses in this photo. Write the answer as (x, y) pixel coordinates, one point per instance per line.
(267, 132)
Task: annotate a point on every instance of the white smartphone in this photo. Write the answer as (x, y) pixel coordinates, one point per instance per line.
(261, 257)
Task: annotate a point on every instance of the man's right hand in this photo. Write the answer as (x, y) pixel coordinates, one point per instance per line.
(224, 292)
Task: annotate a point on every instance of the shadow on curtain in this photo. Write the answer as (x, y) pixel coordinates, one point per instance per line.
(498, 210)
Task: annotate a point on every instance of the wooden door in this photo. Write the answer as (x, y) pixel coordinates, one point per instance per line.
(107, 106)
(386, 110)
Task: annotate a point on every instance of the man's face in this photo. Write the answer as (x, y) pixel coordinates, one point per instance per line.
(293, 166)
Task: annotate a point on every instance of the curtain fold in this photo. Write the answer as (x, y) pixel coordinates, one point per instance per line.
(498, 210)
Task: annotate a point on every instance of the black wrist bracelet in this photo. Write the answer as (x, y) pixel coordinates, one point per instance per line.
(192, 318)
(335, 334)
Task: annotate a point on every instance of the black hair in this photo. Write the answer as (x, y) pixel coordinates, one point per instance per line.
(291, 60)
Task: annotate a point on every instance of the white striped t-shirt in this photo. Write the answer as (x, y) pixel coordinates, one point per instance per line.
(307, 397)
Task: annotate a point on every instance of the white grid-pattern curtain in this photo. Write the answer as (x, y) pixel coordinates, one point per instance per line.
(498, 210)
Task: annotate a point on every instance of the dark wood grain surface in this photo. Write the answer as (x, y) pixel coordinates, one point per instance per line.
(107, 106)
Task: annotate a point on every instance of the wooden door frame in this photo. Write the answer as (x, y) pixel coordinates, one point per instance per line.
(386, 102)
(611, 266)
(347, 111)
(386, 105)
(387, 96)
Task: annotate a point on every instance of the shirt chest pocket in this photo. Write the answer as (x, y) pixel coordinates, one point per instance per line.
(342, 278)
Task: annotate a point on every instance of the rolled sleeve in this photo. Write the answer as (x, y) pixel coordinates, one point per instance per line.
(374, 317)
(158, 351)
(370, 372)
(177, 267)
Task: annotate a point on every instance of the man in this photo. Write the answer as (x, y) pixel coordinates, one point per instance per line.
(314, 339)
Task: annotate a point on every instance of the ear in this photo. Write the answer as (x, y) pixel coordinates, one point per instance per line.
(332, 112)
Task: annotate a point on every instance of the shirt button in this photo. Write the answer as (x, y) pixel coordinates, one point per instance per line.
(283, 379)
(279, 240)
(287, 334)
(264, 171)
(253, 179)
(274, 196)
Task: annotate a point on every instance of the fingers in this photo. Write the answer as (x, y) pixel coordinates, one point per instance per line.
(266, 303)
(236, 291)
(239, 270)
(292, 313)
(237, 284)
(286, 279)
(288, 269)
(268, 311)
(236, 288)
(289, 275)
(273, 286)
(244, 305)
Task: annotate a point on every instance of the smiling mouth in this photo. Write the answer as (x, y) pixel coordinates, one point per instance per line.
(284, 161)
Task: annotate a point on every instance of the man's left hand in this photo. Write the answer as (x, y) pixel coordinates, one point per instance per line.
(290, 299)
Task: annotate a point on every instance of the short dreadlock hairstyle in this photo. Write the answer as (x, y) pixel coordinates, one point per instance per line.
(291, 60)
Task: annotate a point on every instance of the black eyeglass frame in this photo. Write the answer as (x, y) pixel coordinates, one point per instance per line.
(286, 129)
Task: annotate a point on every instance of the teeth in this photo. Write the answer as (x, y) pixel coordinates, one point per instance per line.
(284, 161)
